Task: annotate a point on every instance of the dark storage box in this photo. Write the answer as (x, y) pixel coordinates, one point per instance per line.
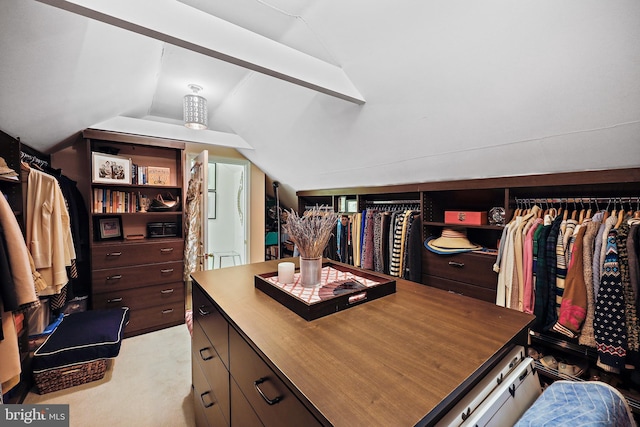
(162, 229)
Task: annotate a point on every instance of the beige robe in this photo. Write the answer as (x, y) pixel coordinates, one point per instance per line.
(25, 290)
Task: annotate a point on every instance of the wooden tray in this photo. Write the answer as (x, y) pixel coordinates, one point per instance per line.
(341, 287)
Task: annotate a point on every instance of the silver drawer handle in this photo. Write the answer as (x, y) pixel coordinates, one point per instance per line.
(166, 250)
(456, 264)
(115, 277)
(202, 311)
(167, 311)
(114, 254)
(273, 401)
(166, 291)
(210, 403)
(166, 271)
(114, 300)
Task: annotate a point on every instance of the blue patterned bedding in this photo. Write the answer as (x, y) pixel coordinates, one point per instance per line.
(568, 403)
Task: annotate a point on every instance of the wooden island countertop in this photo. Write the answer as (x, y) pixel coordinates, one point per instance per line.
(400, 360)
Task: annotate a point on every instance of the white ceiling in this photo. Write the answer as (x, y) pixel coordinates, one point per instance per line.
(455, 89)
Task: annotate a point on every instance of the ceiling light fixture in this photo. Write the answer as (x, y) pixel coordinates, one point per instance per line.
(195, 109)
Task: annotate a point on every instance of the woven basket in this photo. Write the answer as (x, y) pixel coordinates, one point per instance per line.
(69, 376)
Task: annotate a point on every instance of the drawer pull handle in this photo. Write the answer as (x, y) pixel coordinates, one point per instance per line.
(273, 401)
(114, 300)
(167, 311)
(166, 250)
(115, 277)
(114, 254)
(206, 404)
(202, 311)
(166, 291)
(209, 357)
(456, 264)
(166, 271)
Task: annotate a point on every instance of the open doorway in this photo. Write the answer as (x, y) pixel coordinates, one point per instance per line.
(227, 207)
(224, 203)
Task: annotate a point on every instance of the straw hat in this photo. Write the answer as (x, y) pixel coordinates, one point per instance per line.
(451, 241)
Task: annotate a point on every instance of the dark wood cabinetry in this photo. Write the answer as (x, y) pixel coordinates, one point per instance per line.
(137, 269)
(232, 384)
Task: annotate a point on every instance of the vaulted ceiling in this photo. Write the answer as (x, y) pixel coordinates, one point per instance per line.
(334, 94)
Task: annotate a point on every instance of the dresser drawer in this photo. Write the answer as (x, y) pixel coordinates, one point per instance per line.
(475, 269)
(461, 288)
(119, 278)
(126, 254)
(152, 318)
(142, 297)
(207, 408)
(268, 395)
(242, 414)
(213, 324)
(214, 370)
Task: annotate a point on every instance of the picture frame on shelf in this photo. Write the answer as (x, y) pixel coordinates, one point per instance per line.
(109, 228)
(158, 175)
(110, 169)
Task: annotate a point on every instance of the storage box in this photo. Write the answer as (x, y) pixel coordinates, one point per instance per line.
(465, 217)
(162, 229)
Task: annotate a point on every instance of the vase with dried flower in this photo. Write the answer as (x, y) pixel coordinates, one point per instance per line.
(311, 233)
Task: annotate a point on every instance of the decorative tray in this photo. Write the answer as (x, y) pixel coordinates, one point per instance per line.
(341, 287)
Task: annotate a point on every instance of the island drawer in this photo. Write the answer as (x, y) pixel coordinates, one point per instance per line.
(268, 395)
(214, 370)
(213, 324)
(208, 409)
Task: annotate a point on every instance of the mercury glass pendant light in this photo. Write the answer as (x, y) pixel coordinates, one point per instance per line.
(195, 109)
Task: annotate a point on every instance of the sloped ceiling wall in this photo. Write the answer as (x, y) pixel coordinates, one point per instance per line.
(455, 89)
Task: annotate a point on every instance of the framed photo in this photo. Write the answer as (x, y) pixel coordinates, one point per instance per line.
(110, 169)
(211, 206)
(109, 228)
(211, 176)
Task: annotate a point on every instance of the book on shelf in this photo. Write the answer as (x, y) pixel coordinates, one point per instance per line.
(113, 201)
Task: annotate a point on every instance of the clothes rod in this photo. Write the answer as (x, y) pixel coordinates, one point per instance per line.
(393, 202)
(579, 200)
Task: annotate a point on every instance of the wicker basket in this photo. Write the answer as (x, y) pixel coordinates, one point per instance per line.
(69, 376)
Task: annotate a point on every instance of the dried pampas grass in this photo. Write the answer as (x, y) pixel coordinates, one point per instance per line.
(311, 231)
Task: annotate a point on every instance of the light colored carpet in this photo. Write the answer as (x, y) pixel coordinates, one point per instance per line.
(147, 384)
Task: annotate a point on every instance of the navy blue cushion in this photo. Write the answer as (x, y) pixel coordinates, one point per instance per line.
(82, 337)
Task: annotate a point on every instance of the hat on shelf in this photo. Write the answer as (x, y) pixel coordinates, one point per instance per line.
(5, 170)
(451, 241)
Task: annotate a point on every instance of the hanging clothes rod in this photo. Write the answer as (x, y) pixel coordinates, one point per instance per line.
(32, 159)
(605, 202)
(625, 199)
(393, 202)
